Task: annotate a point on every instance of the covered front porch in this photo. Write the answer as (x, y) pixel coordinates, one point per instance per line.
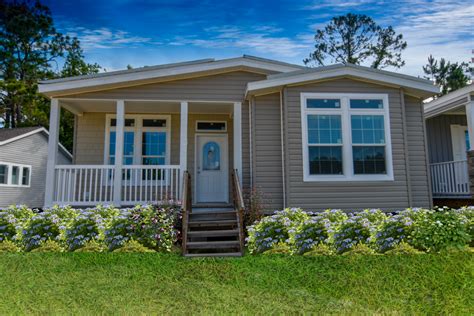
(133, 151)
(450, 136)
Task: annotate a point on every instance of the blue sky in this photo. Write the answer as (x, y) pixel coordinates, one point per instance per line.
(116, 33)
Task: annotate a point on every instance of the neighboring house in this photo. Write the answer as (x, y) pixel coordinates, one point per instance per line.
(450, 133)
(341, 136)
(23, 156)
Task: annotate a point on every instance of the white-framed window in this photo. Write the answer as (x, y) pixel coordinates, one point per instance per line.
(211, 126)
(346, 137)
(15, 175)
(146, 139)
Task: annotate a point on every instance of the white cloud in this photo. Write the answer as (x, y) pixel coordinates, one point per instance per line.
(105, 38)
(261, 39)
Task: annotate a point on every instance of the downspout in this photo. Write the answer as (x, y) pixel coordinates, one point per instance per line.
(250, 143)
(405, 148)
(283, 171)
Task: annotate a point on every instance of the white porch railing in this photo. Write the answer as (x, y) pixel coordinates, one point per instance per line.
(81, 185)
(449, 178)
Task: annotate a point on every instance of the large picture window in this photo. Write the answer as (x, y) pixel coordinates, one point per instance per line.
(145, 142)
(345, 137)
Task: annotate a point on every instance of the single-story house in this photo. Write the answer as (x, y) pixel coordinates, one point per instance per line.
(340, 136)
(450, 134)
(23, 156)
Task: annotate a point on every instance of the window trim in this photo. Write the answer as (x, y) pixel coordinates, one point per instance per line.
(210, 131)
(20, 175)
(347, 157)
(138, 129)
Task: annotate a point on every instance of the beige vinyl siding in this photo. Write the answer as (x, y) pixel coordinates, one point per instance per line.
(438, 131)
(418, 168)
(268, 165)
(223, 87)
(31, 150)
(345, 195)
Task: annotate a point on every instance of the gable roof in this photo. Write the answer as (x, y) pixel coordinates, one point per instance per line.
(449, 101)
(416, 86)
(9, 135)
(173, 71)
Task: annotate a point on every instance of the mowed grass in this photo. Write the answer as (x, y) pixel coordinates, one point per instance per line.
(109, 283)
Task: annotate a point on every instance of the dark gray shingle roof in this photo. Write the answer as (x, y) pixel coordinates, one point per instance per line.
(8, 133)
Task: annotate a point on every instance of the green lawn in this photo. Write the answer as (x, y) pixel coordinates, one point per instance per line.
(155, 283)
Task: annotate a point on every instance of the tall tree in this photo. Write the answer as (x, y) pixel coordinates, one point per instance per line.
(357, 39)
(31, 50)
(449, 76)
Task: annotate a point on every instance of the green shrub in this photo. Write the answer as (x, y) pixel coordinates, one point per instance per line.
(359, 249)
(42, 227)
(92, 246)
(133, 246)
(403, 248)
(278, 249)
(119, 232)
(49, 246)
(320, 250)
(359, 228)
(155, 226)
(440, 230)
(8, 226)
(8, 246)
(274, 229)
(87, 226)
(398, 228)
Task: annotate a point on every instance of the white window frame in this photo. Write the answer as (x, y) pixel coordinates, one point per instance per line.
(20, 175)
(347, 158)
(208, 130)
(138, 129)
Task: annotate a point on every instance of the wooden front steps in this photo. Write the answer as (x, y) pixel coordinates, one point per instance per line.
(213, 232)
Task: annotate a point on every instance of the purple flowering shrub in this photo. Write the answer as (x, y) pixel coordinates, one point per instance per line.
(274, 229)
(315, 230)
(12, 221)
(42, 227)
(7, 226)
(397, 229)
(155, 226)
(359, 228)
(119, 231)
(87, 226)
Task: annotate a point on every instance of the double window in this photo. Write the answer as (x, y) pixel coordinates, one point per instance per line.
(346, 137)
(146, 140)
(14, 175)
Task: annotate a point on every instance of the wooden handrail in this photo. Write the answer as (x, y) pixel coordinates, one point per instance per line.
(186, 208)
(239, 206)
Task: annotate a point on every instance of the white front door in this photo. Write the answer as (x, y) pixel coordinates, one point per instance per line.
(211, 167)
(460, 142)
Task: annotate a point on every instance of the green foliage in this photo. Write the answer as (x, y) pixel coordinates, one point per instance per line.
(403, 248)
(92, 246)
(449, 76)
(273, 229)
(278, 249)
(440, 230)
(49, 246)
(359, 250)
(355, 39)
(42, 227)
(320, 250)
(359, 228)
(8, 246)
(133, 246)
(87, 226)
(30, 50)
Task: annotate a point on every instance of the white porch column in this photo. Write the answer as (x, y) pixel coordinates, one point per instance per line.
(183, 140)
(119, 129)
(53, 141)
(238, 139)
(470, 122)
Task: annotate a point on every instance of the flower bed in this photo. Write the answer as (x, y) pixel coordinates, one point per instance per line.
(102, 227)
(333, 231)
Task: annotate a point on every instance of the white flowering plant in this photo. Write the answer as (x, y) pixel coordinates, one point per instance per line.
(274, 229)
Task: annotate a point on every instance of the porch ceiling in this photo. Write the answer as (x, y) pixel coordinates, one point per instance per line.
(109, 106)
